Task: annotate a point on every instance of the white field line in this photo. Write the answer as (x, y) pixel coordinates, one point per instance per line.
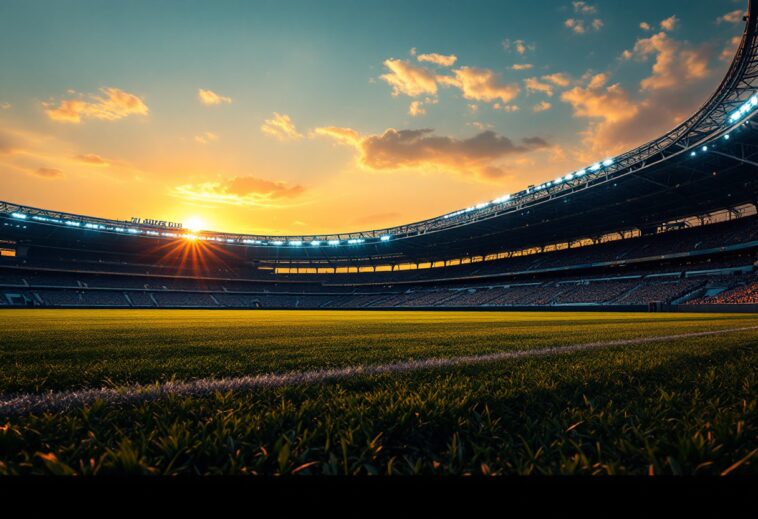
(55, 401)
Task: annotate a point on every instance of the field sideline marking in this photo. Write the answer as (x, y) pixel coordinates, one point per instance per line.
(64, 400)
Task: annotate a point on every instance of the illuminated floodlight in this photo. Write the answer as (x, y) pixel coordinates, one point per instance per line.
(277, 243)
(386, 237)
(726, 136)
(355, 241)
(21, 216)
(595, 167)
(296, 243)
(581, 172)
(608, 162)
(482, 205)
(570, 176)
(705, 148)
(693, 154)
(558, 180)
(315, 243)
(334, 242)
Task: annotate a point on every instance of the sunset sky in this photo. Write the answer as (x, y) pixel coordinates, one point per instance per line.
(296, 117)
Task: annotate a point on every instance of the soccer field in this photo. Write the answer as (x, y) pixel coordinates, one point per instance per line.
(326, 392)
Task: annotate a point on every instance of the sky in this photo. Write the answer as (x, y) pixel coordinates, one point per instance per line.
(295, 117)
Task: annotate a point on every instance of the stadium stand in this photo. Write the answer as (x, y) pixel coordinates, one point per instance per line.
(746, 292)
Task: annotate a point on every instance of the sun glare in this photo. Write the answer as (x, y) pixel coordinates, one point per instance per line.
(194, 224)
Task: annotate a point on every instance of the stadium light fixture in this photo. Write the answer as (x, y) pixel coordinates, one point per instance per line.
(746, 108)
(705, 148)
(726, 136)
(315, 243)
(386, 237)
(20, 216)
(693, 154)
(296, 243)
(334, 242)
(608, 162)
(278, 243)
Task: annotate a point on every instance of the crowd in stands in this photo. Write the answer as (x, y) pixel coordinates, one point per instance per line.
(743, 294)
(589, 291)
(661, 291)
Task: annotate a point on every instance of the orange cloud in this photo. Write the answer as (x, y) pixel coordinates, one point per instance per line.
(421, 149)
(48, 173)
(584, 23)
(281, 127)
(522, 66)
(584, 7)
(481, 85)
(542, 107)
(732, 17)
(92, 159)
(416, 109)
(411, 80)
(114, 104)
(579, 26)
(240, 191)
(438, 59)
(678, 83)
(346, 136)
(558, 79)
(533, 84)
(669, 24)
(598, 101)
(674, 62)
(519, 46)
(209, 97)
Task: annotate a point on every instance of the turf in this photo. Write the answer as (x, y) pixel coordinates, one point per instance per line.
(688, 406)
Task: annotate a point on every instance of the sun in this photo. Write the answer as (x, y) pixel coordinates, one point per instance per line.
(194, 224)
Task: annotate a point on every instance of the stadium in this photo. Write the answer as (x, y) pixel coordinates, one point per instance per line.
(670, 222)
(670, 228)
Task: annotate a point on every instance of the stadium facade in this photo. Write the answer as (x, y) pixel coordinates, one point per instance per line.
(672, 221)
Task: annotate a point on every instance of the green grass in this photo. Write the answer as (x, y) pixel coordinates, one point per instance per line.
(684, 407)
